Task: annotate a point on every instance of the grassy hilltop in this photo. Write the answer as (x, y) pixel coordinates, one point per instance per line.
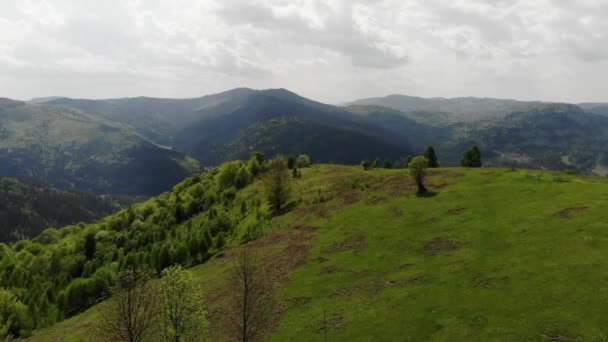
(495, 255)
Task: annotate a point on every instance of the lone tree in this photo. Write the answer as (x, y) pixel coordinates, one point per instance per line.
(291, 162)
(365, 164)
(277, 182)
(181, 315)
(471, 157)
(303, 161)
(131, 310)
(417, 167)
(431, 156)
(251, 302)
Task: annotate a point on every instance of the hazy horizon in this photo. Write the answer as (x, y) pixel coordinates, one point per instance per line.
(330, 51)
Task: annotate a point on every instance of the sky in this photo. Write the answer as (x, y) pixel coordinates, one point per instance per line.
(329, 50)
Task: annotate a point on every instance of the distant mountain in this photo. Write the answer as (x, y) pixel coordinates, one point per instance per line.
(235, 123)
(440, 110)
(157, 119)
(69, 148)
(555, 136)
(232, 124)
(595, 108)
(27, 208)
(277, 121)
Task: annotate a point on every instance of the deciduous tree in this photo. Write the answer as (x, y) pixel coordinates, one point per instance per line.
(417, 169)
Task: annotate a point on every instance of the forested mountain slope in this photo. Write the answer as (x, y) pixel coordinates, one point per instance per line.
(28, 207)
(69, 148)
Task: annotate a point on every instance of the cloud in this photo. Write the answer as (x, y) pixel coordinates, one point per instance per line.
(331, 50)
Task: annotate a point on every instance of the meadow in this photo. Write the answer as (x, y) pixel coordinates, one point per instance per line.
(490, 255)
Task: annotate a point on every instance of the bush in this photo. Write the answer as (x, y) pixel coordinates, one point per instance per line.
(303, 161)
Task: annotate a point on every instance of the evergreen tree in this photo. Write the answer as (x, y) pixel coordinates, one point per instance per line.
(471, 157)
(291, 162)
(431, 156)
(89, 245)
(277, 183)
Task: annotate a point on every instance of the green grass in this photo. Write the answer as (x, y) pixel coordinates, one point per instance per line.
(493, 256)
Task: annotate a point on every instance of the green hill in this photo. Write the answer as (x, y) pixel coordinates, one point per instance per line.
(495, 254)
(69, 148)
(27, 208)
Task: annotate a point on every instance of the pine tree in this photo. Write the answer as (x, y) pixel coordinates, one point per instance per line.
(431, 156)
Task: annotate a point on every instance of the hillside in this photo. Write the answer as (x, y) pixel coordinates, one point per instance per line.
(27, 208)
(69, 148)
(363, 257)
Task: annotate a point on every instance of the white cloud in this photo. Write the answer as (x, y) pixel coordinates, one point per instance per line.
(331, 50)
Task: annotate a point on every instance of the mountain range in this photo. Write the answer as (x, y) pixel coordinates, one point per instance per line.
(143, 145)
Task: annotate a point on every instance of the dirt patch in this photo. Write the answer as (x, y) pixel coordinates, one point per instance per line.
(432, 220)
(397, 212)
(281, 253)
(440, 245)
(350, 197)
(447, 173)
(416, 278)
(357, 242)
(299, 301)
(375, 200)
(482, 282)
(455, 211)
(569, 212)
(330, 269)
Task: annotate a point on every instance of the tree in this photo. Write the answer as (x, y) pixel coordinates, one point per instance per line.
(89, 245)
(387, 164)
(431, 156)
(295, 173)
(259, 156)
(181, 315)
(291, 162)
(251, 302)
(365, 164)
(277, 183)
(131, 310)
(471, 157)
(407, 161)
(303, 161)
(417, 170)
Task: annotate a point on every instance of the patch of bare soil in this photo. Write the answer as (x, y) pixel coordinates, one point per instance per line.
(569, 212)
(447, 173)
(397, 212)
(299, 301)
(350, 196)
(330, 269)
(280, 253)
(440, 245)
(375, 200)
(455, 211)
(356, 242)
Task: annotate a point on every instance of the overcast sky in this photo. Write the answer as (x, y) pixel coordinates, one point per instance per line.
(329, 50)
